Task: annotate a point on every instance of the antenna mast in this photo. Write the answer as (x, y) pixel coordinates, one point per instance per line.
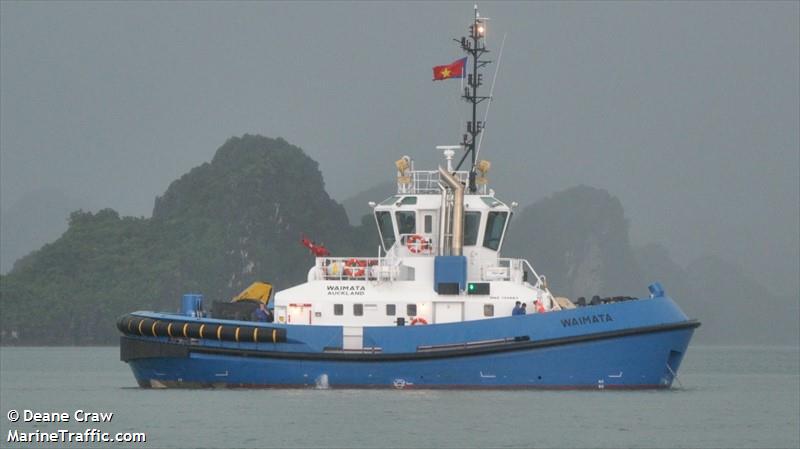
(474, 47)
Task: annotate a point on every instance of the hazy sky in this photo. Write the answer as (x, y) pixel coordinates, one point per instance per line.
(689, 112)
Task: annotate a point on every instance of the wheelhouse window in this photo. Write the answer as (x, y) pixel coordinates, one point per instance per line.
(428, 224)
(488, 310)
(338, 309)
(411, 310)
(495, 224)
(390, 310)
(358, 309)
(472, 222)
(408, 200)
(385, 228)
(406, 222)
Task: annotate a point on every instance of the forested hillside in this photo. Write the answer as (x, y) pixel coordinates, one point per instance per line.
(578, 238)
(215, 230)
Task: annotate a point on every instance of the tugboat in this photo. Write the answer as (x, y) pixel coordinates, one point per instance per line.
(438, 307)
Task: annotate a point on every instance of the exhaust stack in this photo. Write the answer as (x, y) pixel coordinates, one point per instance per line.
(457, 225)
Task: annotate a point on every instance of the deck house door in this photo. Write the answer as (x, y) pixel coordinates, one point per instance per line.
(428, 226)
(299, 314)
(448, 312)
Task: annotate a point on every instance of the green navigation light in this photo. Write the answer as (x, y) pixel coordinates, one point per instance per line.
(477, 288)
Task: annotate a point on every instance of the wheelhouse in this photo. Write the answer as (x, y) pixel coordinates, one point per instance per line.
(411, 224)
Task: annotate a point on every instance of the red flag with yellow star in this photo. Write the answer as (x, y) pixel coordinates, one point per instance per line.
(456, 69)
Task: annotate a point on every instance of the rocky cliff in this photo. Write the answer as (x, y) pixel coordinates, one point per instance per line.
(215, 230)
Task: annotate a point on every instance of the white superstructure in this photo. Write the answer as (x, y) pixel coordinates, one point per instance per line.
(415, 226)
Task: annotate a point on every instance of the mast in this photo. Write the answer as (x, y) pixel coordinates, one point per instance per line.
(475, 48)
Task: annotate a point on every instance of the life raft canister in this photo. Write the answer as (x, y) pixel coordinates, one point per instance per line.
(333, 269)
(416, 243)
(354, 268)
(418, 320)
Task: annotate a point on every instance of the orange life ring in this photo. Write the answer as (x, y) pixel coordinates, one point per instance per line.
(418, 320)
(416, 243)
(354, 268)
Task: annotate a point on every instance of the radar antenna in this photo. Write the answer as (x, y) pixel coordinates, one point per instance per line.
(474, 46)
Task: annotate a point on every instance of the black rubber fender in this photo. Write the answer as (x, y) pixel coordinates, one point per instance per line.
(150, 327)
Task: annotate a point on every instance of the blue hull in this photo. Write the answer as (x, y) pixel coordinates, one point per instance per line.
(635, 344)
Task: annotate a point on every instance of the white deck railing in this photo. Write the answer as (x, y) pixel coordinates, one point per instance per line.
(508, 269)
(385, 268)
(426, 182)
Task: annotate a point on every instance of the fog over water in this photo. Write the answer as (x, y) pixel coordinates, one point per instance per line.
(688, 112)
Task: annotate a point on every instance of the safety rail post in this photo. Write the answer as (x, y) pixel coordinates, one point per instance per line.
(539, 283)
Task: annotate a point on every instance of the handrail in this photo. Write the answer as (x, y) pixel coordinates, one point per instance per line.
(426, 182)
(333, 268)
(540, 284)
(357, 268)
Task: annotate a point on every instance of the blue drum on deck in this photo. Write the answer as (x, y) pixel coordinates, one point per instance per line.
(192, 304)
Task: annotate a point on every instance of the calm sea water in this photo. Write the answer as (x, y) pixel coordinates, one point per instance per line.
(730, 397)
